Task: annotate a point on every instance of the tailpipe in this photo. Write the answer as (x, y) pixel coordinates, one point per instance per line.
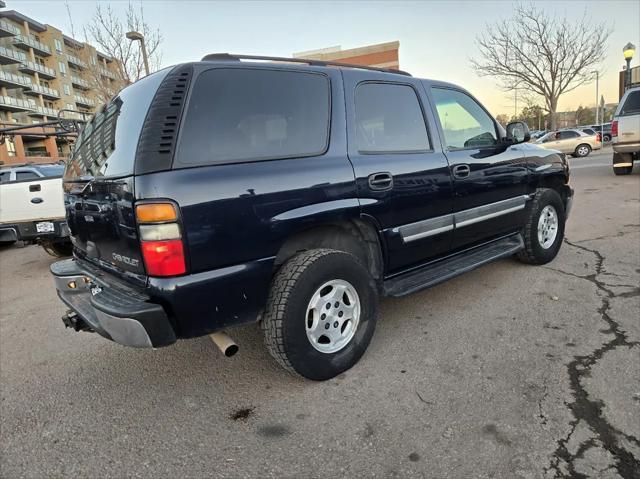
(225, 343)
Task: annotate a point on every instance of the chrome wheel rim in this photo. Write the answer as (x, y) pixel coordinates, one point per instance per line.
(583, 150)
(547, 226)
(333, 314)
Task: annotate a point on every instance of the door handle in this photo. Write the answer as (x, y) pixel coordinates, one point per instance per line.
(461, 171)
(33, 188)
(380, 181)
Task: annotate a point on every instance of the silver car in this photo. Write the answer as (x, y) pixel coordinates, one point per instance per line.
(572, 142)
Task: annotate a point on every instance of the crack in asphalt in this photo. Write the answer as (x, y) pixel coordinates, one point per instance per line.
(589, 410)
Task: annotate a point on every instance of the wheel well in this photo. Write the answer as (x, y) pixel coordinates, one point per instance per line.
(358, 237)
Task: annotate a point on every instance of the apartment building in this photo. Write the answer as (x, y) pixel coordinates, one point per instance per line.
(43, 71)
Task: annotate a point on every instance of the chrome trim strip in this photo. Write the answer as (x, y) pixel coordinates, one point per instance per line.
(486, 212)
(442, 224)
(425, 228)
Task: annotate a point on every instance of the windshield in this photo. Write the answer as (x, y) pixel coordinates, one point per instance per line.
(52, 171)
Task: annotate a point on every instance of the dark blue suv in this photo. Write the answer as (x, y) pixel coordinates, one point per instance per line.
(293, 193)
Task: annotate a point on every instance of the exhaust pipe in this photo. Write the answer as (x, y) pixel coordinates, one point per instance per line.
(225, 343)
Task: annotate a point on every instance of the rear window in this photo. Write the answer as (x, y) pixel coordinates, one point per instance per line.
(632, 104)
(26, 176)
(107, 144)
(239, 115)
(51, 171)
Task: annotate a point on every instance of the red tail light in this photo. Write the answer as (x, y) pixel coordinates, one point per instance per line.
(598, 137)
(614, 128)
(164, 258)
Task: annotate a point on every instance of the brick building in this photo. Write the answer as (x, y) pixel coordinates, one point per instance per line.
(43, 71)
(381, 55)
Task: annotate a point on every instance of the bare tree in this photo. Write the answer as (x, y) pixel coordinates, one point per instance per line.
(107, 31)
(536, 50)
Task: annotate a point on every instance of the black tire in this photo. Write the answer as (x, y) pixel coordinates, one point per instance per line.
(59, 249)
(6, 244)
(606, 137)
(534, 252)
(622, 170)
(582, 150)
(285, 317)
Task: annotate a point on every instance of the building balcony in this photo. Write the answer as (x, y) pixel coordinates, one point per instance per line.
(22, 41)
(107, 73)
(9, 56)
(48, 93)
(76, 62)
(84, 101)
(78, 82)
(33, 67)
(9, 103)
(11, 80)
(8, 30)
(43, 111)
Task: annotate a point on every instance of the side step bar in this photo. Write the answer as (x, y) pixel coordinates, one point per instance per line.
(448, 268)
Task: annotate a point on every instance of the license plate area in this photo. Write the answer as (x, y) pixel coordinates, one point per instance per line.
(45, 227)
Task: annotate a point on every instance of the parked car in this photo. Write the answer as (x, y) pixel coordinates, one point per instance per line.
(32, 207)
(221, 192)
(572, 142)
(538, 134)
(591, 131)
(604, 130)
(626, 132)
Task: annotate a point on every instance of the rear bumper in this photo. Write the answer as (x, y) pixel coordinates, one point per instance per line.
(114, 311)
(28, 230)
(626, 147)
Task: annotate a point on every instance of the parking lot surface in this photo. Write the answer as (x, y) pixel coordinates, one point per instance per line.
(510, 371)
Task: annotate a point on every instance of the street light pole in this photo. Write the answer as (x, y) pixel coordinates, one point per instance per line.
(628, 51)
(597, 96)
(137, 36)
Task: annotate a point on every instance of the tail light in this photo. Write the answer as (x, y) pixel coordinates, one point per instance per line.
(614, 128)
(161, 239)
(598, 137)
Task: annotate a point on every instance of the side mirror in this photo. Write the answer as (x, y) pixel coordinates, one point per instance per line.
(518, 132)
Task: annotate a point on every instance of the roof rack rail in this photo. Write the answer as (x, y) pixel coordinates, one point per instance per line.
(212, 57)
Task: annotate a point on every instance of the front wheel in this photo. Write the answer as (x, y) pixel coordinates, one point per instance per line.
(321, 313)
(582, 150)
(544, 230)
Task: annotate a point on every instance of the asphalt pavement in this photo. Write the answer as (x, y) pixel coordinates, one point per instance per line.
(510, 371)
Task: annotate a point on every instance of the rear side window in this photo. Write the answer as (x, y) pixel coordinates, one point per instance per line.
(26, 176)
(239, 115)
(632, 104)
(389, 119)
(565, 135)
(5, 176)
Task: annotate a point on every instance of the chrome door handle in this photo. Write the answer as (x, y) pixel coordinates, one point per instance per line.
(380, 181)
(461, 171)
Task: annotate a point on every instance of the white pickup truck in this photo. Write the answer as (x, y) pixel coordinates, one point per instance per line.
(32, 207)
(625, 132)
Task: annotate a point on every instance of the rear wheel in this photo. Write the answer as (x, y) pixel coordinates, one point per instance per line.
(606, 137)
(622, 170)
(582, 150)
(544, 230)
(321, 313)
(59, 248)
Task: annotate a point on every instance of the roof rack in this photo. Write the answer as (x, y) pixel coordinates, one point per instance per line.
(212, 57)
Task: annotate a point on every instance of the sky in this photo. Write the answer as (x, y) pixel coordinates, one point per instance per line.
(437, 38)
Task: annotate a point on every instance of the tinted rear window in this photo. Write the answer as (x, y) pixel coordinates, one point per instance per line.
(107, 144)
(248, 114)
(632, 104)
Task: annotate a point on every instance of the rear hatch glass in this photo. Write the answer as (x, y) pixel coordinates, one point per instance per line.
(98, 180)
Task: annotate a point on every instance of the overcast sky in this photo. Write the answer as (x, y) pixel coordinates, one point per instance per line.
(436, 37)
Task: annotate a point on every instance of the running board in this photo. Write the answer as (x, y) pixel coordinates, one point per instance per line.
(448, 268)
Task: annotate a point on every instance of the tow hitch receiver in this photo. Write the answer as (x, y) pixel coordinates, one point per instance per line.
(75, 322)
